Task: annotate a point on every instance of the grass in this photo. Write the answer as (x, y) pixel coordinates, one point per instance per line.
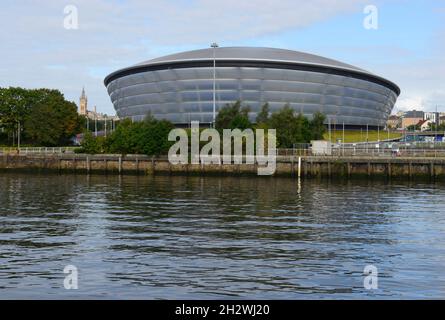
(352, 136)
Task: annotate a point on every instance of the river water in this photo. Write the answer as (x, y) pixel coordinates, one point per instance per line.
(219, 238)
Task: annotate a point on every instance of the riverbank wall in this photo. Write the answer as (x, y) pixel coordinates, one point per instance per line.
(290, 166)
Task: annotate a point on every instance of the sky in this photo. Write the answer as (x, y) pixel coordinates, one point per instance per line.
(39, 48)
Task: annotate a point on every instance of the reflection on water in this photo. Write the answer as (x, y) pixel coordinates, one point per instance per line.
(199, 238)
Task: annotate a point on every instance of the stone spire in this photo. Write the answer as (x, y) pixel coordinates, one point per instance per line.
(83, 103)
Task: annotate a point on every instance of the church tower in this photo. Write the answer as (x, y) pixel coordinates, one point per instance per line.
(83, 103)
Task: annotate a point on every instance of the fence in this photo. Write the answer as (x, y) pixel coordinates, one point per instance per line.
(368, 152)
(39, 150)
(336, 151)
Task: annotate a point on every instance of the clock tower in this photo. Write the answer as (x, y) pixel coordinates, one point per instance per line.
(83, 103)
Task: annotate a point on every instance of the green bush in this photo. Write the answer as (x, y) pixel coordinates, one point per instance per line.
(92, 145)
(148, 137)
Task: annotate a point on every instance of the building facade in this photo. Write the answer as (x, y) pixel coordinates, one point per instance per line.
(92, 114)
(83, 103)
(394, 122)
(179, 87)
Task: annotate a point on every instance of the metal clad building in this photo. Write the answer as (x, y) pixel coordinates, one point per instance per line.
(179, 87)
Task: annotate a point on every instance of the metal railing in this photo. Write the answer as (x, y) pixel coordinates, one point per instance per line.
(366, 152)
(399, 150)
(38, 150)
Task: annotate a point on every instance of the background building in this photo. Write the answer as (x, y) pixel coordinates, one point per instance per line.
(92, 114)
(412, 118)
(83, 103)
(179, 87)
(394, 122)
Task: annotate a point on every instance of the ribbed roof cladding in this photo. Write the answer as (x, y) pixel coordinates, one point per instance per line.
(252, 53)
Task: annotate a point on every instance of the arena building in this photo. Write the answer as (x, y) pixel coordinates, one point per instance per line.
(180, 87)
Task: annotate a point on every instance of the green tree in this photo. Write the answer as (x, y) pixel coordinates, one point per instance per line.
(284, 122)
(148, 137)
(121, 140)
(52, 121)
(92, 145)
(291, 128)
(233, 116)
(44, 116)
(263, 115)
(414, 127)
(15, 105)
(317, 126)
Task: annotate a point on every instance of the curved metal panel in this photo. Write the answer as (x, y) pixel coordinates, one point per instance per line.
(186, 94)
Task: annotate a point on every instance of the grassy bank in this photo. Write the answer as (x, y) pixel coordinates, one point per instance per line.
(352, 136)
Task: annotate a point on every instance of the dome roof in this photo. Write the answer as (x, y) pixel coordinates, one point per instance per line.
(251, 54)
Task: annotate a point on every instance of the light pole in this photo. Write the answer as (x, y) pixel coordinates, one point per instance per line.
(437, 118)
(95, 125)
(214, 46)
(105, 126)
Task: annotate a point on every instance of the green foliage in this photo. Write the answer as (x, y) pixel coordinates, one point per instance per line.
(317, 127)
(435, 127)
(291, 128)
(148, 137)
(263, 115)
(414, 127)
(295, 128)
(233, 116)
(288, 130)
(92, 145)
(53, 122)
(44, 116)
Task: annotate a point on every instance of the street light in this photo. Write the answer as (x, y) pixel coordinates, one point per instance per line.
(214, 46)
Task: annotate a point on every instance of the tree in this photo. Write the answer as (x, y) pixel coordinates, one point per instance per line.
(53, 121)
(263, 115)
(120, 140)
(317, 126)
(233, 116)
(44, 116)
(291, 129)
(284, 122)
(414, 127)
(148, 137)
(15, 104)
(92, 145)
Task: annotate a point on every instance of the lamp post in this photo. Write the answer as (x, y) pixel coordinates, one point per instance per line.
(105, 118)
(214, 46)
(95, 125)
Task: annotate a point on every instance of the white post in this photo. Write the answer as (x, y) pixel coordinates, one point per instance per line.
(299, 167)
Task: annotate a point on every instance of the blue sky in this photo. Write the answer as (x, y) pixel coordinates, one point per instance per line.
(37, 51)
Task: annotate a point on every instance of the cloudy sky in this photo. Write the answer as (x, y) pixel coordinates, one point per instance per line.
(38, 51)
